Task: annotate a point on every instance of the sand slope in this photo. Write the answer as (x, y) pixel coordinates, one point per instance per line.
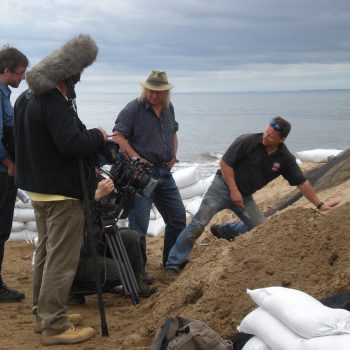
(299, 247)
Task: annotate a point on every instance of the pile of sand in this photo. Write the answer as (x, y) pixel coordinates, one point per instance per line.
(300, 248)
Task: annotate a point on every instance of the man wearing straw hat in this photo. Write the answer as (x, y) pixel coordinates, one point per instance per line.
(146, 128)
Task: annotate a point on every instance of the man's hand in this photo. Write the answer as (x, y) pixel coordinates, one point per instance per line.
(104, 188)
(171, 163)
(10, 165)
(329, 205)
(237, 198)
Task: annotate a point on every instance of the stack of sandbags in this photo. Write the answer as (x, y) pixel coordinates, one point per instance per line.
(191, 188)
(23, 224)
(288, 319)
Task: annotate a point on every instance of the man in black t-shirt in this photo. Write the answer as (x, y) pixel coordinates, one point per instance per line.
(249, 164)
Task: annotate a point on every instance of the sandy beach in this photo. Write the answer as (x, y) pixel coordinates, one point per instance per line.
(298, 247)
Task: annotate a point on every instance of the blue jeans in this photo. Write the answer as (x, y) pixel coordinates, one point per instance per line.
(230, 230)
(166, 197)
(217, 198)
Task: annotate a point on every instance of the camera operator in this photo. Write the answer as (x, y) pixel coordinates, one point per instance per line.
(51, 142)
(84, 282)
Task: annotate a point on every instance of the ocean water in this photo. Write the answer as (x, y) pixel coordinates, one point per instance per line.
(210, 122)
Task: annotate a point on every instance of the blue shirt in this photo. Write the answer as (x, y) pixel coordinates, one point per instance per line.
(6, 118)
(151, 137)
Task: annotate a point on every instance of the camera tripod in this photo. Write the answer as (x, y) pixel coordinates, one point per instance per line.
(121, 259)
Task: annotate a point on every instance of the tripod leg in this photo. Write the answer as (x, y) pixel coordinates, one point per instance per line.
(121, 264)
(126, 266)
(116, 258)
(126, 260)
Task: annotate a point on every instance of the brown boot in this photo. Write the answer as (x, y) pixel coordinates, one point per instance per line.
(69, 336)
(75, 319)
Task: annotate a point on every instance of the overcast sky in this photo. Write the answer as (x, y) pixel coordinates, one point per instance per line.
(204, 45)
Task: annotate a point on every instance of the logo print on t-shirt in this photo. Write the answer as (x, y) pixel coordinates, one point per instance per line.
(276, 166)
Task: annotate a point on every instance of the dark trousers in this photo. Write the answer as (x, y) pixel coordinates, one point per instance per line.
(84, 279)
(8, 193)
(166, 197)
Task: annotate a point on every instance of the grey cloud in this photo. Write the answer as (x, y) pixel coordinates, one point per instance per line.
(195, 35)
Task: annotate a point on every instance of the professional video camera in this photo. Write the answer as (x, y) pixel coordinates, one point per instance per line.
(130, 176)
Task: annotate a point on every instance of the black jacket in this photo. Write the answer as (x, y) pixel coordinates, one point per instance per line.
(49, 138)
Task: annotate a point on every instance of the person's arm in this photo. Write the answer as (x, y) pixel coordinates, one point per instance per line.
(10, 165)
(125, 146)
(173, 160)
(310, 194)
(228, 175)
(4, 157)
(104, 188)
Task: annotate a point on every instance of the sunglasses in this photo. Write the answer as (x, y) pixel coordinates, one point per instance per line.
(275, 125)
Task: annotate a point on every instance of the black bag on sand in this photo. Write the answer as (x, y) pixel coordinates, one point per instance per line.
(181, 333)
(338, 301)
(240, 339)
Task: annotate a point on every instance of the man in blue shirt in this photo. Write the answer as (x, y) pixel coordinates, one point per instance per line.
(146, 128)
(13, 65)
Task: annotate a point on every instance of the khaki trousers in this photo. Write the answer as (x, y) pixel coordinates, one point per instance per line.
(60, 230)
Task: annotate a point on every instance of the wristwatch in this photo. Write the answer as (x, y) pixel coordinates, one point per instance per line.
(320, 205)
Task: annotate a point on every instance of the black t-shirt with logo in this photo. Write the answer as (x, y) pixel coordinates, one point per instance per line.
(254, 168)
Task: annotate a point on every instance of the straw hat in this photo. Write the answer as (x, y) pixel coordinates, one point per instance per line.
(157, 81)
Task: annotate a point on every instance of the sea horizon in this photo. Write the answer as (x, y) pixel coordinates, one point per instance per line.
(210, 121)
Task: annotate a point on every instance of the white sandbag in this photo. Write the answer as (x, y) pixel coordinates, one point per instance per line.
(18, 236)
(23, 214)
(31, 236)
(208, 181)
(317, 155)
(17, 226)
(155, 227)
(31, 226)
(192, 205)
(255, 343)
(197, 189)
(270, 330)
(20, 204)
(24, 235)
(332, 342)
(154, 213)
(301, 312)
(186, 177)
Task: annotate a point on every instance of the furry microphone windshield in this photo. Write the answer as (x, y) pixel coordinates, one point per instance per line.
(70, 59)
